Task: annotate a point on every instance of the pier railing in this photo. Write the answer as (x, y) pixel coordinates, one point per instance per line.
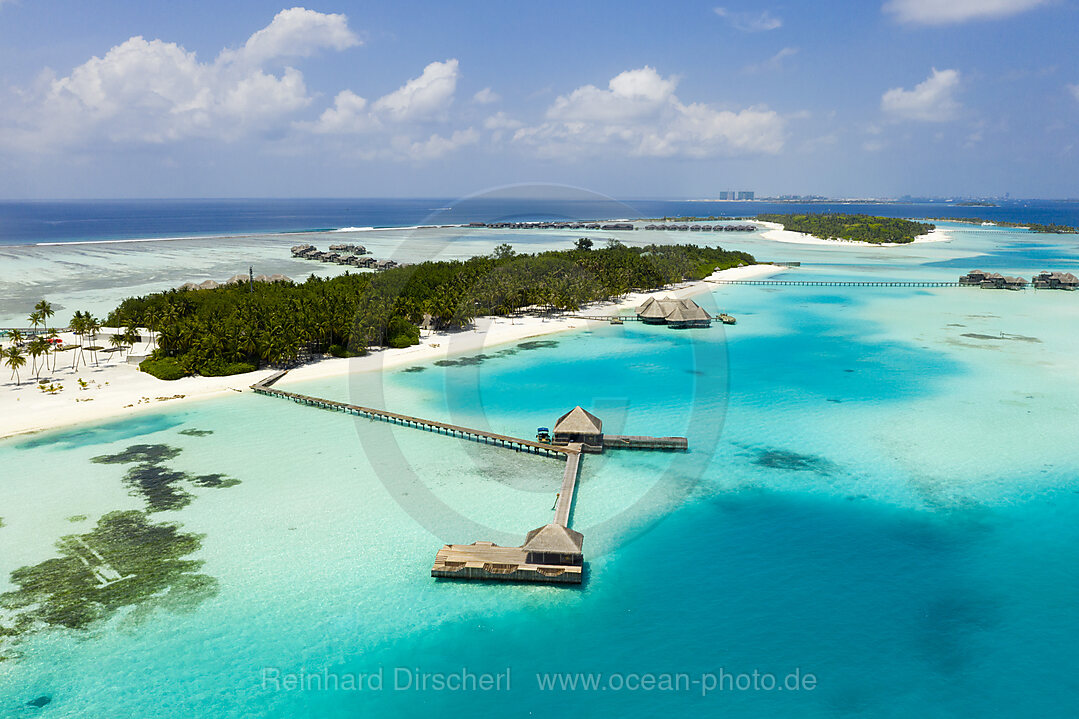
(476, 435)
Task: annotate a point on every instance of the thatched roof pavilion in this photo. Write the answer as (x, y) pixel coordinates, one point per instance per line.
(554, 544)
(673, 312)
(652, 312)
(579, 425)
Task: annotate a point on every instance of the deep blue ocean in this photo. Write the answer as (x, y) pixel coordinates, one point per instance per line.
(64, 221)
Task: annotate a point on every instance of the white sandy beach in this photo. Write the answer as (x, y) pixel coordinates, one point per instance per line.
(778, 234)
(116, 388)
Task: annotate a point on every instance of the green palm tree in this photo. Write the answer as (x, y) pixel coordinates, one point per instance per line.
(53, 337)
(116, 340)
(15, 337)
(38, 346)
(93, 326)
(79, 325)
(34, 319)
(151, 324)
(14, 359)
(44, 308)
(131, 336)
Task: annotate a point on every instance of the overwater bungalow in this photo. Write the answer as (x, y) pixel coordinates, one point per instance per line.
(1055, 281)
(679, 314)
(617, 226)
(553, 544)
(974, 277)
(579, 425)
(996, 281)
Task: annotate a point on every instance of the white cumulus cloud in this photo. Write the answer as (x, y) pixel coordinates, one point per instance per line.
(945, 12)
(152, 91)
(750, 21)
(932, 100)
(296, 32)
(639, 114)
(421, 96)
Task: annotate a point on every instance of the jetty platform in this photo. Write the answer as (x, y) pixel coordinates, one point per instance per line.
(551, 553)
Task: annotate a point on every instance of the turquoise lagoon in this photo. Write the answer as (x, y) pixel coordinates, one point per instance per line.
(881, 492)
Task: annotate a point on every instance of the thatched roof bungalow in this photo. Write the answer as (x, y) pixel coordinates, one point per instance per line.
(1056, 281)
(674, 313)
(579, 425)
(554, 544)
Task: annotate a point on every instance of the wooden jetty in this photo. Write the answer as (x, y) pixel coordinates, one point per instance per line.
(551, 553)
(836, 283)
(622, 441)
(476, 435)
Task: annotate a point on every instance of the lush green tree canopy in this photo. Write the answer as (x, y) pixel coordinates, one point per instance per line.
(211, 331)
(857, 228)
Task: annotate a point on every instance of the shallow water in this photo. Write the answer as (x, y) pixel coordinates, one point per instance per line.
(880, 491)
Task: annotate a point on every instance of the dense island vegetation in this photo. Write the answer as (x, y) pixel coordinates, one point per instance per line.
(236, 328)
(1052, 229)
(856, 228)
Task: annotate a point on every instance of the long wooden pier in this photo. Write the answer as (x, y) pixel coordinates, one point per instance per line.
(836, 283)
(569, 488)
(454, 430)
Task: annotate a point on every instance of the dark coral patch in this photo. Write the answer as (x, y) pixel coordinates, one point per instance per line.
(196, 432)
(793, 461)
(538, 344)
(125, 561)
(161, 486)
(144, 453)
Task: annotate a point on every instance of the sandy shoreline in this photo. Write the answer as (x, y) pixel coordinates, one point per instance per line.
(117, 389)
(776, 233)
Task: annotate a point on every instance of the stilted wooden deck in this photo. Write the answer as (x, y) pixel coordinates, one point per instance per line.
(487, 561)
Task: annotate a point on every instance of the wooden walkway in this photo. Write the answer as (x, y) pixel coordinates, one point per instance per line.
(835, 283)
(476, 435)
(569, 488)
(624, 441)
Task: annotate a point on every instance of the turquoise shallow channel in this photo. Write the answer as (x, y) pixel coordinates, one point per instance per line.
(881, 492)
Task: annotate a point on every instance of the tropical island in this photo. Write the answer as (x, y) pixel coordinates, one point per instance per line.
(854, 228)
(1051, 229)
(238, 328)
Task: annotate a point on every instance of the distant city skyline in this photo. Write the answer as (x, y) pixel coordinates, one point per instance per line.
(881, 99)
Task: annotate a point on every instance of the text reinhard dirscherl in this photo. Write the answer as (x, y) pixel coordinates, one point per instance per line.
(414, 679)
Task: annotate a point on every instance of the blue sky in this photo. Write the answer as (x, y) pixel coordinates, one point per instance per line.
(244, 99)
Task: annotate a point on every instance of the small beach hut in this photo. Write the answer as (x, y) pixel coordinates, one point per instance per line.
(579, 425)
